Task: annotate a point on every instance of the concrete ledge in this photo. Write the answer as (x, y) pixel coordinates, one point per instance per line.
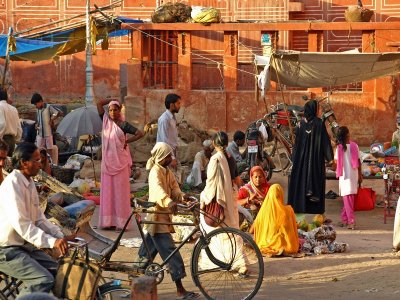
(296, 7)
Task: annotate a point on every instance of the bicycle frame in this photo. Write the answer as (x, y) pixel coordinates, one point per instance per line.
(197, 228)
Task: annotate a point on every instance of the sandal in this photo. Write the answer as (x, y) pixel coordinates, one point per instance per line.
(341, 224)
(351, 226)
(188, 295)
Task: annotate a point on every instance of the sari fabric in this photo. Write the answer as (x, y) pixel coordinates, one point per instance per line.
(250, 188)
(116, 165)
(275, 228)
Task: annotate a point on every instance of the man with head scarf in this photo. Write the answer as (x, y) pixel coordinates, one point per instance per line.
(165, 192)
(198, 175)
(311, 149)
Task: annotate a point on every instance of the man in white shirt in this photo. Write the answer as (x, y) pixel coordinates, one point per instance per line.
(23, 227)
(10, 125)
(167, 131)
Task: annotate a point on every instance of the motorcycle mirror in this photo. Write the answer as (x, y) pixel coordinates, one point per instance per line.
(304, 97)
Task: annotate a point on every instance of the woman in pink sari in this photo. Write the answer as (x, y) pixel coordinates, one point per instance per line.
(115, 166)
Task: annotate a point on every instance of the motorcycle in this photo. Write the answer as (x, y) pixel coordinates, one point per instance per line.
(256, 155)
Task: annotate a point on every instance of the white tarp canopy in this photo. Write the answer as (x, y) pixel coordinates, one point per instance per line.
(323, 69)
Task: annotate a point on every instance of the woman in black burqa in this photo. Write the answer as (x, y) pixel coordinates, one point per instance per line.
(311, 149)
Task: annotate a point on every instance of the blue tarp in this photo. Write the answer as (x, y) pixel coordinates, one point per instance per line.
(31, 49)
(25, 45)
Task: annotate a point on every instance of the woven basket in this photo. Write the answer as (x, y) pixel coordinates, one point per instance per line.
(63, 174)
(358, 14)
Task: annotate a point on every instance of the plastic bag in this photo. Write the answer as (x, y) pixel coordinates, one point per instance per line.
(205, 15)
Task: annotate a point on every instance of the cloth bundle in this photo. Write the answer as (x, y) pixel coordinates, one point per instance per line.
(171, 13)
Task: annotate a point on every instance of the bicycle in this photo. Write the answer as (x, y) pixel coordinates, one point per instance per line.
(280, 145)
(210, 281)
(281, 135)
(215, 280)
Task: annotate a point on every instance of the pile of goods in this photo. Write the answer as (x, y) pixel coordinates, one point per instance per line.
(320, 240)
(357, 13)
(179, 12)
(316, 238)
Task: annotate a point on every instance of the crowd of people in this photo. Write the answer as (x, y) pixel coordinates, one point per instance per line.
(215, 174)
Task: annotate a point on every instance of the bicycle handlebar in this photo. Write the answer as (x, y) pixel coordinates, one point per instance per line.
(77, 242)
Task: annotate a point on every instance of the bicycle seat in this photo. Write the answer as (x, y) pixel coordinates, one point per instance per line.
(145, 204)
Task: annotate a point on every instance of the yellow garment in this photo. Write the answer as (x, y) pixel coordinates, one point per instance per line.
(275, 228)
(93, 34)
(163, 189)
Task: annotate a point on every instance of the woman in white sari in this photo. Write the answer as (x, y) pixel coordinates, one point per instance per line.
(219, 187)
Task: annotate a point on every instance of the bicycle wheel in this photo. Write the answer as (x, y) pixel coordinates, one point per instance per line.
(237, 250)
(112, 290)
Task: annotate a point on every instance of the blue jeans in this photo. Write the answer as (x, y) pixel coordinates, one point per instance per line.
(163, 244)
(32, 266)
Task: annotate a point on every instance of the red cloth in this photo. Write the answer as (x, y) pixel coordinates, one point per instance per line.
(248, 188)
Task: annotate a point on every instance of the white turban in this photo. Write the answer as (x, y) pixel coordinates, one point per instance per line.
(160, 151)
(207, 143)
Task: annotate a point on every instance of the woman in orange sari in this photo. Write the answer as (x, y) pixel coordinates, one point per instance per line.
(275, 228)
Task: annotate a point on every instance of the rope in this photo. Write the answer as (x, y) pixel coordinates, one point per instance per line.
(191, 52)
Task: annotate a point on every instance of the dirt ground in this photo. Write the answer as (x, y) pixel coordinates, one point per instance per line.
(368, 270)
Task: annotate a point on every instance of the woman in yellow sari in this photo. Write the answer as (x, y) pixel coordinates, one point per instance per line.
(275, 228)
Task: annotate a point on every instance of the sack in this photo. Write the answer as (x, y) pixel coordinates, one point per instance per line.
(77, 278)
(214, 214)
(365, 199)
(206, 15)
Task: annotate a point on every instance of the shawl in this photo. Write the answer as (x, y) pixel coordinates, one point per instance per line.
(275, 228)
(353, 155)
(219, 187)
(251, 187)
(310, 110)
(160, 151)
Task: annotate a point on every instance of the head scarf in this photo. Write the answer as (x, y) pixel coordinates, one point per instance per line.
(310, 110)
(260, 191)
(115, 102)
(207, 143)
(160, 151)
(275, 228)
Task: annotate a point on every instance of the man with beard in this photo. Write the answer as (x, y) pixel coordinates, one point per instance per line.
(167, 128)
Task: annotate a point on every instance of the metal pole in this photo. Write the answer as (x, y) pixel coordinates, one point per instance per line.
(89, 68)
(7, 58)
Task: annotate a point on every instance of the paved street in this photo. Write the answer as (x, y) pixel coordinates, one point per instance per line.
(367, 271)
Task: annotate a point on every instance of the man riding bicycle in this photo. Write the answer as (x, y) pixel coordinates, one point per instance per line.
(24, 229)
